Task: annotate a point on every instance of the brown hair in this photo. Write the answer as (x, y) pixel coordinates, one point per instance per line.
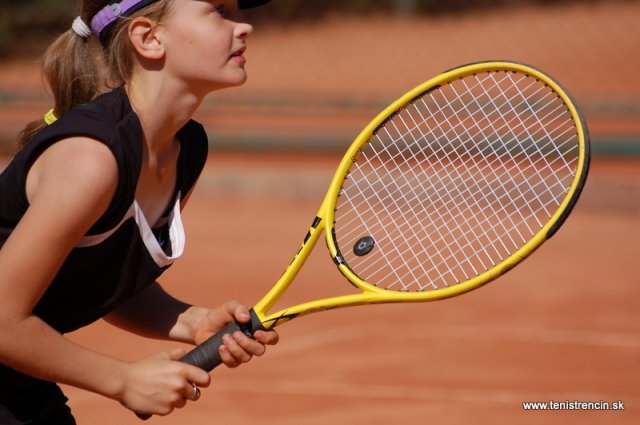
(77, 70)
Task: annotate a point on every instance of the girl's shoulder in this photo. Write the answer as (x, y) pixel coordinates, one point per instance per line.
(106, 119)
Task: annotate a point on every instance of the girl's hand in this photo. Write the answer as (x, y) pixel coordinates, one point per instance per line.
(159, 384)
(237, 348)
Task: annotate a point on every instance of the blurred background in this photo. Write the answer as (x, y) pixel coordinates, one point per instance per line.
(332, 65)
(562, 326)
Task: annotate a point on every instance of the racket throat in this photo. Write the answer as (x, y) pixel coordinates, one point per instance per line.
(263, 306)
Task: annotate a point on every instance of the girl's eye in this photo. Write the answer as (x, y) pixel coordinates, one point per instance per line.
(220, 10)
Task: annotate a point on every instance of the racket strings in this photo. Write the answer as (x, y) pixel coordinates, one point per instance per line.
(403, 136)
(474, 177)
(457, 181)
(442, 234)
(509, 155)
(522, 195)
(373, 201)
(438, 230)
(410, 218)
(538, 120)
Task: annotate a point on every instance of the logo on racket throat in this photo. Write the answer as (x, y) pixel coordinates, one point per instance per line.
(364, 246)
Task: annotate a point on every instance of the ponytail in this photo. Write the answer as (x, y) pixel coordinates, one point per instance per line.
(77, 67)
(73, 77)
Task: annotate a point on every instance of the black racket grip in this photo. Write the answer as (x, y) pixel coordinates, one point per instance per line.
(206, 356)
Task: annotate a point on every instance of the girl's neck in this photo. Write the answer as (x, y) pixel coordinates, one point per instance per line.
(163, 109)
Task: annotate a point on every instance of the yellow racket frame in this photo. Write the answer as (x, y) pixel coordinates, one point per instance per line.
(371, 294)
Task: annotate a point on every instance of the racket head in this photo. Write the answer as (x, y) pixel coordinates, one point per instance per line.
(490, 157)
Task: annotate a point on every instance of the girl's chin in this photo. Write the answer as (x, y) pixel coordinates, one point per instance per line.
(220, 85)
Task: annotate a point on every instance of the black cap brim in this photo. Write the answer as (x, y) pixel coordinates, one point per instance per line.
(248, 4)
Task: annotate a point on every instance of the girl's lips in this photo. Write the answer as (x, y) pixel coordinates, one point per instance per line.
(238, 57)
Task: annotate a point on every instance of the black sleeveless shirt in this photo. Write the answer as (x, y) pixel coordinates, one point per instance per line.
(121, 254)
(118, 257)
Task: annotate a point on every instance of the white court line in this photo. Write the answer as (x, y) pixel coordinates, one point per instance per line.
(514, 334)
(334, 389)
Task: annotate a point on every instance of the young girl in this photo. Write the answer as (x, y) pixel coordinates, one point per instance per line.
(90, 207)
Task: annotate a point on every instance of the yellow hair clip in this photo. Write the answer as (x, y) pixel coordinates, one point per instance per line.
(50, 117)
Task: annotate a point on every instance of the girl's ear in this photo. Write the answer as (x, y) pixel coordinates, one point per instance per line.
(143, 36)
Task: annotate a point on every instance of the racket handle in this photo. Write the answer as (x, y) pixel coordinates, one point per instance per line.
(206, 356)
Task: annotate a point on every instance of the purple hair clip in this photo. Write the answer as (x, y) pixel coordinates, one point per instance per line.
(110, 13)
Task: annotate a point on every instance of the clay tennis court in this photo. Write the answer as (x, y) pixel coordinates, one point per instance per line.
(562, 326)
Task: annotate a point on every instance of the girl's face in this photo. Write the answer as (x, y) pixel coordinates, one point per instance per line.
(205, 44)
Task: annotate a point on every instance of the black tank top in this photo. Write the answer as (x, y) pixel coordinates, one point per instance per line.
(121, 254)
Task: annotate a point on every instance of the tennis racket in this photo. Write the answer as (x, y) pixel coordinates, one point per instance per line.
(448, 188)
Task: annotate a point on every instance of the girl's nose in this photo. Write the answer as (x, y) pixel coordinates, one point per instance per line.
(243, 30)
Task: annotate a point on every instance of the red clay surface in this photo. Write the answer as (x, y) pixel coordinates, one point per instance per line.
(561, 326)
